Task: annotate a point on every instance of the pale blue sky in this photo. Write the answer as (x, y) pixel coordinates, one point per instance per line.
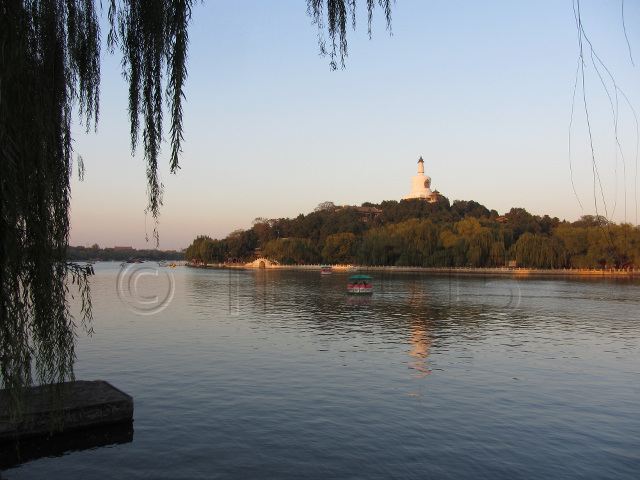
(482, 90)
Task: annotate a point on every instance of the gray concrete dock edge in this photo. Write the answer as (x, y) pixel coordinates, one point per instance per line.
(86, 404)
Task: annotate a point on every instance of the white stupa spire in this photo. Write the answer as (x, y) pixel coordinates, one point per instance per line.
(421, 185)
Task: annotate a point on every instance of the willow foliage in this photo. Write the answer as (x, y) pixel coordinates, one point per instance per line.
(153, 37)
(49, 62)
(49, 67)
(338, 13)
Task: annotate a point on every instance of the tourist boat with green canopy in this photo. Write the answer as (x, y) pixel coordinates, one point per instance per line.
(360, 285)
(326, 270)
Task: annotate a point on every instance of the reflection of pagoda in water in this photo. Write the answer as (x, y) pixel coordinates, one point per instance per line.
(420, 346)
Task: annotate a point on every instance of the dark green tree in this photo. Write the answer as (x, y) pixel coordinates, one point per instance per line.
(194, 251)
(469, 208)
(339, 248)
(378, 247)
(480, 247)
(291, 251)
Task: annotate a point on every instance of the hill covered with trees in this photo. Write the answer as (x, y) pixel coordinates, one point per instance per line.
(416, 233)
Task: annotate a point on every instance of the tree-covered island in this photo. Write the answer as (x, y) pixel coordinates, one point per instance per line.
(415, 233)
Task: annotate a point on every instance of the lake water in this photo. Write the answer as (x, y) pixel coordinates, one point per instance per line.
(279, 374)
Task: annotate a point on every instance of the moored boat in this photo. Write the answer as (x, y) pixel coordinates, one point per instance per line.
(360, 285)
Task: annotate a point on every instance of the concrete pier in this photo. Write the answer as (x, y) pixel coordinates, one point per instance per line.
(86, 404)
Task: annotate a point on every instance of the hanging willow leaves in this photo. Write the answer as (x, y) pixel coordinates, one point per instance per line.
(153, 37)
(337, 15)
(49, 66)
(49, 61)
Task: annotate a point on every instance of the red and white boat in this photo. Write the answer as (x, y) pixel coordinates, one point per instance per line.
(360, 285)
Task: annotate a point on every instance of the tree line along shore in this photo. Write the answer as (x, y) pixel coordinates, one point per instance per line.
(119, 254)
(440, 235)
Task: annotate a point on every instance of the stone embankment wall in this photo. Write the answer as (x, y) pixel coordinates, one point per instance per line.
(263, 263)
(506, 271)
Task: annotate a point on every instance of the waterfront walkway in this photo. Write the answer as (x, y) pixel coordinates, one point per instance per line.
(506, 271)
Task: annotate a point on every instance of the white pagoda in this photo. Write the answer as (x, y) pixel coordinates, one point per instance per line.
(421, 186)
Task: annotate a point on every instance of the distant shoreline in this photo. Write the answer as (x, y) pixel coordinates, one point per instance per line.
(495, 271)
